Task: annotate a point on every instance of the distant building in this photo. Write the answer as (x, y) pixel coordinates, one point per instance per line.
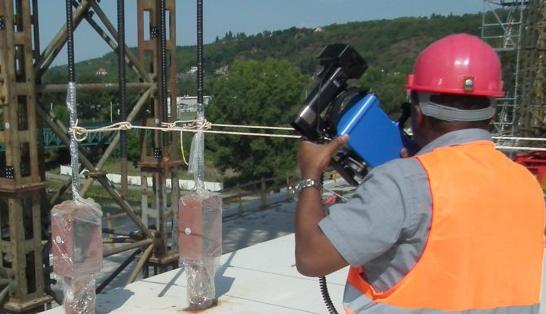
(101, 72)
(187, 106)
(192, 70)
(189, 103)
(318, 30)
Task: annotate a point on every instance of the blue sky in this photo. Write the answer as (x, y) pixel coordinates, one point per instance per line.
(249, 16)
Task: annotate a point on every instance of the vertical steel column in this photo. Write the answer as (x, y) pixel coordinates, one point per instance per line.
(21, 185)
(161, 247)
(122, 79)
(200, 105)
(199, 137)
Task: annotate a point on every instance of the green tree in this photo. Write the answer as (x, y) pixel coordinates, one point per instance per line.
(256, 93)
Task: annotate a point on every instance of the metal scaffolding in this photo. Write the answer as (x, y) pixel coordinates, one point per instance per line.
(503, 26)
(517, 30)
(532, 114)
(22, 188)
(23, 203)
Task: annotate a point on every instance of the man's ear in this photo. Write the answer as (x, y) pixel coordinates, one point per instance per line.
(417, 116)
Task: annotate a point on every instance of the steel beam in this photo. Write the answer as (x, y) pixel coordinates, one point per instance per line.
(128, 247)
(114, 140)
(117, 271)
(55, 46)
(61, 88)
(134, 61)
(61, 132)
(112, 146)
(141, 262)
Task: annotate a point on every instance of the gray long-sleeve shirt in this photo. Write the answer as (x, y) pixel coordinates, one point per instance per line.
(384, 226)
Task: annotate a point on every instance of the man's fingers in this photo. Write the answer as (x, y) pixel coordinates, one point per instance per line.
(330, 147)
(337, 143)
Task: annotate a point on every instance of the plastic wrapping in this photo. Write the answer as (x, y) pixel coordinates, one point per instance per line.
(76, 230)
(201, 290)
(197, 161)
(74, 162)
(79, 295)
(200, 245)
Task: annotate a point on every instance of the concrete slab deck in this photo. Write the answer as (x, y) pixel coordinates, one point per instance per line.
(258, 279)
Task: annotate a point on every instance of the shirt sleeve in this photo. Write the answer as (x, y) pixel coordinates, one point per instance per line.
(371, 222)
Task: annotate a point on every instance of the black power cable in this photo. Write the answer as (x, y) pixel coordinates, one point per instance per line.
(326, 296)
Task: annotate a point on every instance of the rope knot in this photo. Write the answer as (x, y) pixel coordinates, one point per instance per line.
(126, 125)
(201, 124)
(79, 133)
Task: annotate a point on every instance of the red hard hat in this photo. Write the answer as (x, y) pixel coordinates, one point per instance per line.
(458, 64)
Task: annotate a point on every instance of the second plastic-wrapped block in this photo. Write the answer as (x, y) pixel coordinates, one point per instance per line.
(200, 226)
(76, 232)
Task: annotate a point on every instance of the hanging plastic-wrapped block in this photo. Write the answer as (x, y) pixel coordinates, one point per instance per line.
(200, 245)
(76, 232)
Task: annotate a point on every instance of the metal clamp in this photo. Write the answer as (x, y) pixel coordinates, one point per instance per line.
(154, 31)
(9, 172)
(157, 153)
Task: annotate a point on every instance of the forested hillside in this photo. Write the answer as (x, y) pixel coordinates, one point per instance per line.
(262, 79)
(389, 47)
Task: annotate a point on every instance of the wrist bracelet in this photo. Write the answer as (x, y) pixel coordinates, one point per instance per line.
(307, 183)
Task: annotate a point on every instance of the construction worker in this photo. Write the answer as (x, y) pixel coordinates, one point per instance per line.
(456, 228)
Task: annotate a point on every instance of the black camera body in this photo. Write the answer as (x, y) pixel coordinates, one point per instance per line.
(334, 108)
(340, 63)
(323, 107)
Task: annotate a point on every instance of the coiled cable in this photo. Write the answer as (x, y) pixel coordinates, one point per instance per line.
(326, 296)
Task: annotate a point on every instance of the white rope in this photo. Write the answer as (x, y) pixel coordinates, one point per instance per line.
(81, 133)
(253, 127)
(242, 133)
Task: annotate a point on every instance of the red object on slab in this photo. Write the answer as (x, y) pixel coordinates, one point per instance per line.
(200, 227)
(76, 233)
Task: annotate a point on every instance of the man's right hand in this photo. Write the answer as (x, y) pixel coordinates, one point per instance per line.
(314, 158)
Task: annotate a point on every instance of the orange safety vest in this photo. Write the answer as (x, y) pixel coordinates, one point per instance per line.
(485, 245)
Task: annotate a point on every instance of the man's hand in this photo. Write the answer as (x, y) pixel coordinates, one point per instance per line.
(313, 158)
